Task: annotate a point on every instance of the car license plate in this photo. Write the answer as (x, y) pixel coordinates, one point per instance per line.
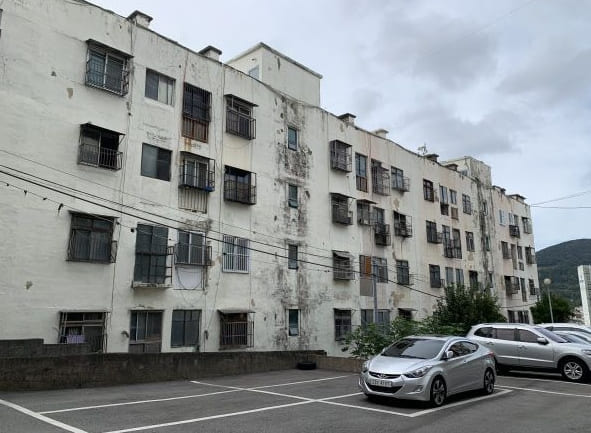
(380, 382)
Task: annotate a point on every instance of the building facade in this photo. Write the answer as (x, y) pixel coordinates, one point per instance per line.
(156, 199)
(584, 273)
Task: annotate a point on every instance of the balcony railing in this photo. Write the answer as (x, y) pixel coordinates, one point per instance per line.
(361, 183)
(93, 154)
(240, 192)
(382, 234)
(340, 156)
(341, 272)
(514, 231)
(240, 124)
(512, 288)
(195, 255)
(401, 183)
(236, 334)
(448, 248)
(202, 180)
(434, 237)
(380, 180)
(196, 129)
(341, 213)
(437, 283)
(403, 229)
(91, 249)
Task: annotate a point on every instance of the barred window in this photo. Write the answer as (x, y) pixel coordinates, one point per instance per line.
(236, 254)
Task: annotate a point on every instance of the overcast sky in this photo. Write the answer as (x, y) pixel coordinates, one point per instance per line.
(505, 81)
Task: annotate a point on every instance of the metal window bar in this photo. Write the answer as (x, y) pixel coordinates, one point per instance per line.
(195, 129)
(94, 154)
(240, 124)
(400, 183)
(402, 274)
(340, 212)
(239, 191)
(196, 174)
(235, 254)
(514, 231)
(382, 234)
(342, 268)
(530, 256)
(83, 328)
(403, 229)
(236, 334)
(155, 267)
(340, 156)
(87, 246)
(380, 180)
(342, 324)
(196, 255)
(361, 182)
(107, 72)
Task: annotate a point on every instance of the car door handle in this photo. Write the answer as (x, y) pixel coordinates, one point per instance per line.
(489, 343)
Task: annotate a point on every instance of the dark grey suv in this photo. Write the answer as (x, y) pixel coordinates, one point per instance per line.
(521, 346)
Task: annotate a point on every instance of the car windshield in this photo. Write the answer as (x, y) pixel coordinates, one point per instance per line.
(573, 338)
(550, 335)
(420, 348)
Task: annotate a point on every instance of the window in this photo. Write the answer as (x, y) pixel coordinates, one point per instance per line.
(342, 266)
(402, 225)
(523, 317)
(380, 177)
(505, 250)
(185, 328)
(399, 182)
(196, 113)
(293, 322)
(449, 276)
(235, 253)
(486, 332)
(340, 209)
(254, 72)
(448, 248)
(443, 197)
(453, 196)
(523, 291)
(240, 185)
(470, 241)
(527, 336)
(507, 334)
(292, 256)
(428, 192)
(197, 172)
(145, 331)
(457, 244)
(466, 204)
(91, 239)
(454, 213)
(239, 120)
(402, 272)
(435, 276)
(381, 229)
(155, 162)
(99, 147)
(191, 249)
(519, 253)
(383, 318)
(484, 207)
(432, 235)
(487, 242)
(363, 213)
(151, 255)
(532, 287)
(473, 278)
(83, 327)
(159, 87)
(366, 268)
(527, 228)
(106, 68)
(405, 313)
(502, 217)
(292, 138)
(236, 330)
(361, 171)
(530, 255)
(342, 323)
(340, 155)
(292, 193)
(459, 277)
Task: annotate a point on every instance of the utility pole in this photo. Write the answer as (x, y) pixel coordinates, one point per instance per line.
(374, 271)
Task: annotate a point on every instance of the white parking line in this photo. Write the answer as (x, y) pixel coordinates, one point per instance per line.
(545, 392)
(556, 380)
(42, 418)
(459, 403)
(99, 406)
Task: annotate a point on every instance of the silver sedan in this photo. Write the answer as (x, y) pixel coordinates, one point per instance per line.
(428, 368)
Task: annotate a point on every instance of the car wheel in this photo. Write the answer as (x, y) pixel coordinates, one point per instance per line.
(438, 392)
(573, 370)
(488, 385)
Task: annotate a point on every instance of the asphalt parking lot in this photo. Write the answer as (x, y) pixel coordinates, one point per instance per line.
(295, 401)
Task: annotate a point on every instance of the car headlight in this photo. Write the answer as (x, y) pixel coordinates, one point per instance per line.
(586, 352)
(419, 372)
(365, 367)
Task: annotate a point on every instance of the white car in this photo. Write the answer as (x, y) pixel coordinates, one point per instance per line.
(428, 368)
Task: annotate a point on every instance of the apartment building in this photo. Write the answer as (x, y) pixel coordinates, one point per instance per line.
(156, 199)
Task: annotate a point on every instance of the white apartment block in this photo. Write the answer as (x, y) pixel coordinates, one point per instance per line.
(153, 198)
(584, 272)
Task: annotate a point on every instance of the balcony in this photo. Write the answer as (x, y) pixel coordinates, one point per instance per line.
(95, 155)
(240, 192)
(514, 231)
(192, 255)
(382, 234)
(403, 229)
(240, 124)
(340, 156)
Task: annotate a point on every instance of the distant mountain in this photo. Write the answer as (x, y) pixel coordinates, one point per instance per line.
(559, 263)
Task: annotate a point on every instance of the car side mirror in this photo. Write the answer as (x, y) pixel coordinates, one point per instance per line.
(447, 355)
(542, 340)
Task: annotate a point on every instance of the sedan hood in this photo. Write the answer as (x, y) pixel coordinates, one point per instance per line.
(393, 365)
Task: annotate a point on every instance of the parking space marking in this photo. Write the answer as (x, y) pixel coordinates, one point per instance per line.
(545, 392)
(156, 400)
(207, 418)
(557, 380)
(459, 403)
(42, 418)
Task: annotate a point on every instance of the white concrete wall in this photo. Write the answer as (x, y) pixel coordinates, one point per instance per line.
(43, 101)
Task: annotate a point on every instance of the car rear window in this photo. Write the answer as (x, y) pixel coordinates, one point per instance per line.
(421, 348)
(486, 332)
(550, 335)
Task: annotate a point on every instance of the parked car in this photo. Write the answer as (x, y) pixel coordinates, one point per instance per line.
(428, 368)
(522, 346)
(571, 337)
(568, 327)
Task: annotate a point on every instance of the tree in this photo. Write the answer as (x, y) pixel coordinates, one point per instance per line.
(562, 309)
(464, 307)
